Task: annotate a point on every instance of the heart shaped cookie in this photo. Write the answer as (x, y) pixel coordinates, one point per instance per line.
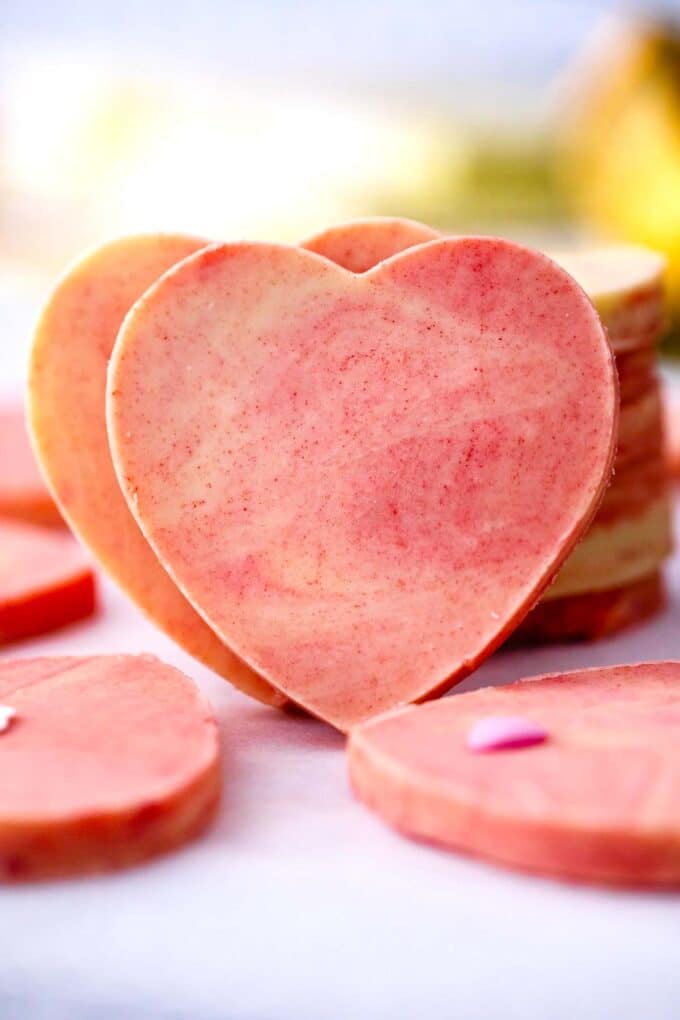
(363, 482)
(67, 383)
(613, 578)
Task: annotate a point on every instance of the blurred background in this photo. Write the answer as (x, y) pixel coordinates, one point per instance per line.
(554, 122)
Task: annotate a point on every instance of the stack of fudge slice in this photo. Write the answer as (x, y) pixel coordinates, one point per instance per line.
(613, 578)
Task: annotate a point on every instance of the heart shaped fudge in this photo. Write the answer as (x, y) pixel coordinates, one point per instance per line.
(363, 482)
(67, 384)
(613, 578)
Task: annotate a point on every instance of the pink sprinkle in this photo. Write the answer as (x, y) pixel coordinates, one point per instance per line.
(504, 732)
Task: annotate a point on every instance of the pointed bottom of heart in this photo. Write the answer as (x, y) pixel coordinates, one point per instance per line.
(107, 761)
(598, 801)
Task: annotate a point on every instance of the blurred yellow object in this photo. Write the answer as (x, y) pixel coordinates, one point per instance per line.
(619, 146)
(118, 151)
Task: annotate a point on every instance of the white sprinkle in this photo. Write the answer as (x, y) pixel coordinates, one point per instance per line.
(495, 616)
(7, 713)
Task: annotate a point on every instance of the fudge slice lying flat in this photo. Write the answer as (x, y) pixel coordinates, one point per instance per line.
(106, 761)
(23, 493)
(45, 581)
(597, 800)
(363, 481)
(67, 387)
